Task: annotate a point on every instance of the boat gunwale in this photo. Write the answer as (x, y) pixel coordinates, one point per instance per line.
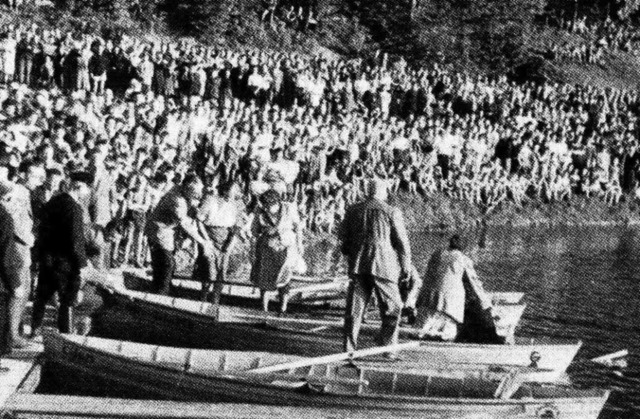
(198, 316)
(247, 381)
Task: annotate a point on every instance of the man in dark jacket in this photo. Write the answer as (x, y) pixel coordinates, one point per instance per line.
(62, 252)
(9, 278)
(376, 244)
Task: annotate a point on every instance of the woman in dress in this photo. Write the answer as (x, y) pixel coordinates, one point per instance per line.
(276, 226)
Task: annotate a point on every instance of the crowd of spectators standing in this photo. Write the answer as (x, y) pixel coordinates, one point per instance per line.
(594, 40)
(141, 116)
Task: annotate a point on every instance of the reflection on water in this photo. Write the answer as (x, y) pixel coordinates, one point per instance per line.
(580, 283)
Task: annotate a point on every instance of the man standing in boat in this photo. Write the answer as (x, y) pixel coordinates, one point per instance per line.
(452, 296)
(62, 254)
(170, 214)
(219, 216)
(376, 244)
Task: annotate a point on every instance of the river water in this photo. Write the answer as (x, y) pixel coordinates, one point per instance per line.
(580, 283)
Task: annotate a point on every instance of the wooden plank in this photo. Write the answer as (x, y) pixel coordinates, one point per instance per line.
(47, 406)
(13, 377)
(335, 357)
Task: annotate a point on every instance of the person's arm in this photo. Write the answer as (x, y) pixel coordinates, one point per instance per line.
(78, 237)
(416, 287)
(189, 225)
(9, 260)
(400, 240)
(476, 285)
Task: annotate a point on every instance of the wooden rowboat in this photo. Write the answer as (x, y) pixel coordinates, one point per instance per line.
(154, 372)
(305, 291)
(151, 318)
(508, 306)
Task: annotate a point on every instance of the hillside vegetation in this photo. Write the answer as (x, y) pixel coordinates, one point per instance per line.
(500, 36)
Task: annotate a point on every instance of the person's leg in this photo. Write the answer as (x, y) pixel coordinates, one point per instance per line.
(162, 266)
(201, 273)
(45, 289)
(357, 299)
(69, 287)
(390, 305)
(18, 302)
(220, 278)
(5, 328)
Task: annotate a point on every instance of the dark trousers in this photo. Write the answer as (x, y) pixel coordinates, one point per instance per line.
(57, 275)
(163, 266)
(5, 325)
(211, 272)
(389, 302)
(443, 162)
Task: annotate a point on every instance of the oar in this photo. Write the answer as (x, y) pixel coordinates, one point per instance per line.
(335, 357)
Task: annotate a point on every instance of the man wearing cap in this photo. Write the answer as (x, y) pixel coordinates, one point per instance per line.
(61, 246)
(17, 201)
(164, 220)
(376, 244)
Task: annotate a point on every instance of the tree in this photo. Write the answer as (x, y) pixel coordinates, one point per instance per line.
(492, 33)
(202, 17)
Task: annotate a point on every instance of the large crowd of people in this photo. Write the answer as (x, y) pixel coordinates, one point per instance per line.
(593, 40)
(142, 116)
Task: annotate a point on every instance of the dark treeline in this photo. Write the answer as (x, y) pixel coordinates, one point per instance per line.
(492, 35)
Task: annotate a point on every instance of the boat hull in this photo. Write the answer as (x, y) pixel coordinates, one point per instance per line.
(91, 370)
(149, 318)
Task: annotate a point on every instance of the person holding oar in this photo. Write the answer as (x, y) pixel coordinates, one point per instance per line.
(376, 244)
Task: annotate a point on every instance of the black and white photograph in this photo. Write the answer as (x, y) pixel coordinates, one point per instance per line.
(320, 209)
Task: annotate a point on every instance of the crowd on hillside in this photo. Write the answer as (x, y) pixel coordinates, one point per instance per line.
(141, 116)
(595, 39)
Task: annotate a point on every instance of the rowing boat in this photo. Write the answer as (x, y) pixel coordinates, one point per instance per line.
(508, 306)
(152, 318)
(305, 290)
(134, 370)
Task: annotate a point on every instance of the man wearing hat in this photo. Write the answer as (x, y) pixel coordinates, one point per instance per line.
(62, 252)
(375, 241)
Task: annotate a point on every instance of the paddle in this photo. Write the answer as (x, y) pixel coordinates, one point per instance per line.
(335, 357)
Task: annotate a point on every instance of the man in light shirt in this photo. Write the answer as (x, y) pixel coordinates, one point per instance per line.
(16, 199)
(219, 216)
